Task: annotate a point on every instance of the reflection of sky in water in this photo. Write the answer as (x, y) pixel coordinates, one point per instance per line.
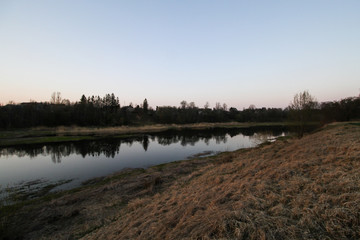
(68, 162)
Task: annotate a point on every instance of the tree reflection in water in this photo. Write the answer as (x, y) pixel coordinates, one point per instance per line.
(111, 147)
(145, 143)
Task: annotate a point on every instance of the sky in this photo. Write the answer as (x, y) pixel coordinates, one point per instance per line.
(234, 52)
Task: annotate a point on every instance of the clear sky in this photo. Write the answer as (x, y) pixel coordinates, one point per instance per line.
(237, 52)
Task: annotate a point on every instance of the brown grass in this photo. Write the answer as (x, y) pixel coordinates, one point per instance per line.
(305, 188)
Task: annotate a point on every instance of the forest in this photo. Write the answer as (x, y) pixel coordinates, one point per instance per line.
(106, 111)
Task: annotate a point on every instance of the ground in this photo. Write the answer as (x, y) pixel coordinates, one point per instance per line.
(306, 188)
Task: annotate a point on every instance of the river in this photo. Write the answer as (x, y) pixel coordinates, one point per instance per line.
(28, 168)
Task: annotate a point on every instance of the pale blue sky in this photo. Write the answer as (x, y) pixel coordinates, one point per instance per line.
(238, 52)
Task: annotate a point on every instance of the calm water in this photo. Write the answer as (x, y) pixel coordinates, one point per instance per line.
(36, 165)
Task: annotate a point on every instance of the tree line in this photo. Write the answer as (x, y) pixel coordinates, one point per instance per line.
(107, 111)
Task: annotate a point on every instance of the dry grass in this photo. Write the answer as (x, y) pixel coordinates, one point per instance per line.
(305, 188)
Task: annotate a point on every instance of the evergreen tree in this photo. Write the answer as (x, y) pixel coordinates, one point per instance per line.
(145, 105)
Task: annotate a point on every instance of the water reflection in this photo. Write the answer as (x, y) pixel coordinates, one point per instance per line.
(145, 143)
(111, 147)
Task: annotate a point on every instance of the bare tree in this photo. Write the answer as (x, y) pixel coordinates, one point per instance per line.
(206, 106)
(66, 102)
(58, 98)
(301, 109)
(218, 106)
(192, 105)
(225, 108)
(55, 98)
(183, 104)
(252, 106)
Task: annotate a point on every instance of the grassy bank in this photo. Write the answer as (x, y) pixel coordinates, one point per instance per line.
(305, 188)
(67, 134)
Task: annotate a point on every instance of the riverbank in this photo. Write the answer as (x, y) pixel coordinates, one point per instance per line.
(70, 134)
(305, 188)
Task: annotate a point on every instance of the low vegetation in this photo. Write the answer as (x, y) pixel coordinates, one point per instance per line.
(293, 188)
(71, 134)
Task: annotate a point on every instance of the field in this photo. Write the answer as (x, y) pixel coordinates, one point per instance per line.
(306, 188)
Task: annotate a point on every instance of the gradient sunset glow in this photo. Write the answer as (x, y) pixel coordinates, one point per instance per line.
(234, 52)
